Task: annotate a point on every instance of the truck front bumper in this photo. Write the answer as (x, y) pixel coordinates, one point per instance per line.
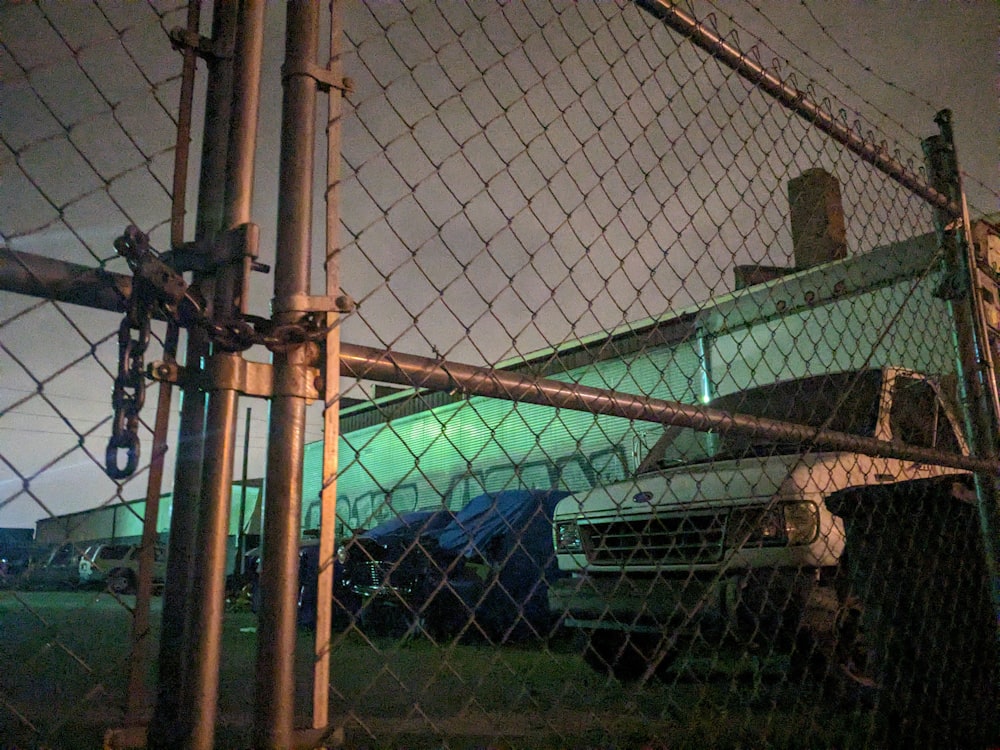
(661, 603)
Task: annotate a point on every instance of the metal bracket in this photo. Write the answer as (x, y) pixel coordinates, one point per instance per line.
(323, 77)
(155, 279)
(230, 247)
(168, 283)
(206, 48)
(304, 303)
(230, 372)
(168, 372)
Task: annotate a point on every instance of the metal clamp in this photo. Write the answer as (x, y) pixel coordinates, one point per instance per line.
(229, 372)
(342, 303)
(225, 249)
(323, 77)
(206, 48)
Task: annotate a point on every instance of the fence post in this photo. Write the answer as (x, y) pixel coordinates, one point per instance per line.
(977, 377)
(170, 717)
(220, 430)
(331, 414)
(275, 686)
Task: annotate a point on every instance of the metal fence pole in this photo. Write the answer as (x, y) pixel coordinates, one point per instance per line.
(977, 377)
(136, 696)
(364, 362)
(275, 691)
(331, 415)
(136, 690)
(220, 433)
(795, 100)
(169, 718)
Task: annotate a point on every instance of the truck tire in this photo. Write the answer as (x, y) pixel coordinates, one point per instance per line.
(121, 581)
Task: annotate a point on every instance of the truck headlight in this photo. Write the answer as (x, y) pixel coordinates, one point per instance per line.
(779, 525)
(567, 537)
(342, 554)
(801, 522)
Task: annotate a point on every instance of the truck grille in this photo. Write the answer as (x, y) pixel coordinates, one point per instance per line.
(683, 538)
(368, 574)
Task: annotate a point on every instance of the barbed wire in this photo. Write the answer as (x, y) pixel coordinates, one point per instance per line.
(868, 68)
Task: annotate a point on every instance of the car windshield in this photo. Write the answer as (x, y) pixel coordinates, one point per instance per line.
(845, 402)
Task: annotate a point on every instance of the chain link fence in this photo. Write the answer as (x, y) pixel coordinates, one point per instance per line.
(90, 121)
(666, 413)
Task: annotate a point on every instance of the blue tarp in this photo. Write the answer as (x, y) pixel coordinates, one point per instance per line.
(489, 515)
(420, 520)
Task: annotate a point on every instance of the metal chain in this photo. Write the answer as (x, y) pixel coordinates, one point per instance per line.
(156, 285)
(241, 333)
(129, 391)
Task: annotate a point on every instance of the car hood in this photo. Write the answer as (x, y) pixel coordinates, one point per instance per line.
(492, 514)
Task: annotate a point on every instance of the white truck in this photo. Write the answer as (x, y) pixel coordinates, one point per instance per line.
(858, 568)
(730, 537)
(723, 538)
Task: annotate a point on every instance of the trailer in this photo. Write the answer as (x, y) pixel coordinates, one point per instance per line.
(424, 450)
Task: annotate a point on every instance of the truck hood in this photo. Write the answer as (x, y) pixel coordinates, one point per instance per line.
(681, 519)
(689, 487)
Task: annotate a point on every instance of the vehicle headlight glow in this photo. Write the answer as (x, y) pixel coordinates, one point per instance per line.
(567, 537)
(342, 554)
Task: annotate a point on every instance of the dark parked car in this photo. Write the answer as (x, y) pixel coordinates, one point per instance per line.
(15, 559)
(344, 605)
(485, 572)
(360, 570)
(54, 567)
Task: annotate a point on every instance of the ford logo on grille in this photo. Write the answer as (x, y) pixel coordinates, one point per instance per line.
(643, 497)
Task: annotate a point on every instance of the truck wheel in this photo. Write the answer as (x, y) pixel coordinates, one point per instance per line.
(121, 582)
(624, 656)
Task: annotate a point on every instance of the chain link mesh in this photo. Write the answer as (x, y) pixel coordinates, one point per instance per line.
(89, 97)
(565, 191)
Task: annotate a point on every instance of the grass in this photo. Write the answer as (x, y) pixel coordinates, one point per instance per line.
(64, 661)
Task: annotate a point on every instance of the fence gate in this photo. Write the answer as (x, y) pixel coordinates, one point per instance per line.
(604, 386)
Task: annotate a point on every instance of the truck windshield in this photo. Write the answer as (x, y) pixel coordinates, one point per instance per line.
(843, 402)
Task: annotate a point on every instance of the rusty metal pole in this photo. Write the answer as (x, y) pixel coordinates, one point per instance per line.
(675, 16)
(331, 413)
(366, 363)
(136, 698)
(170, 721)
(275, 683)
(209, 589)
